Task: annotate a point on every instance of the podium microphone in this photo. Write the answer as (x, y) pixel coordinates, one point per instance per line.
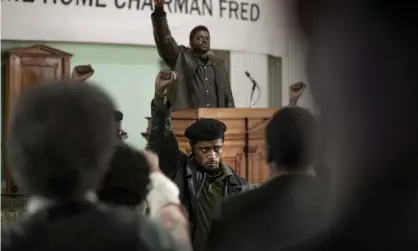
(255, 86)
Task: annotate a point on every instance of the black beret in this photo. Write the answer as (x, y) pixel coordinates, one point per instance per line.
(205, 130)
(118, 116)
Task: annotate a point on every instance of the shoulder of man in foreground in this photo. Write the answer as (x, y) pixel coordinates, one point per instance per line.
(157, 238)
(236, 178)
(150, 233)
(232, 212)
(241, 202)
(173, 218)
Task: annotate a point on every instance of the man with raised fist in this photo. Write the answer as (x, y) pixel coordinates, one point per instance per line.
(201, 81)
(203, 179)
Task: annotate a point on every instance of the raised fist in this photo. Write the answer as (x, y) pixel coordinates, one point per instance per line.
(163, 80)
(296, 90)
(82, 72)
(159, 3)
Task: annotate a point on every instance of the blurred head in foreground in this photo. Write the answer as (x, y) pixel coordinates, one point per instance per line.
(127, 181)
(60, 138)
(290, 138)
(362, 70)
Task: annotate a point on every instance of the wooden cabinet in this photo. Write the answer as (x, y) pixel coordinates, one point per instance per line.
(22, 68)
(244, 147)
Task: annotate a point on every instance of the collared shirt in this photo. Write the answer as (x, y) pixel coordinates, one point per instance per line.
(211, 196)
(204, 80)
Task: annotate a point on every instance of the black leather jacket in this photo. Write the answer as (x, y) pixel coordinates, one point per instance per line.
(183, 94)
(179, 166)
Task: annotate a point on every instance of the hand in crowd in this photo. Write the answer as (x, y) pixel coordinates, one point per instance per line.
(158, 3)
(295, 91)
(82, 72)
(163, 191)
(152, 159)
(163, 80)
(164, 203)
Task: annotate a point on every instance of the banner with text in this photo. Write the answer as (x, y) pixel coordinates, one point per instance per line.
(238, 25)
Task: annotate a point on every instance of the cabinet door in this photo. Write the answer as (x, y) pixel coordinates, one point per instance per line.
(35, 70)
(25, 67)
(26, 71)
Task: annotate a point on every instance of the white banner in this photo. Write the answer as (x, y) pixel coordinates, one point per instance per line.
(237, 25)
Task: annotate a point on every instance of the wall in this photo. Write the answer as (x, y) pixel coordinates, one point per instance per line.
(275, 77)
(241, 25)
(294, 68)
(126, 72)
(272, 34)
(257, 65)
(290, 47)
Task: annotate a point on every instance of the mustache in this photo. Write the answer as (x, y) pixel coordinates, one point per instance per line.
(213, 162)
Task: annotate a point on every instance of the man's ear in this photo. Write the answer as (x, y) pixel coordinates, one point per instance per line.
(191, 147)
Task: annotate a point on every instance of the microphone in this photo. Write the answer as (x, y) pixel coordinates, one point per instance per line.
(255, 85)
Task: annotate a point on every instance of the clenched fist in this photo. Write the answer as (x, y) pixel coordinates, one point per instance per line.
(296, 90)
(82, 72)
(163, 80)
(158, 3)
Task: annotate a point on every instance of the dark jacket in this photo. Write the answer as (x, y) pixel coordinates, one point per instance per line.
(86, 226)
(179, 167)
(285, 209)
(380, 215)
(182, 94)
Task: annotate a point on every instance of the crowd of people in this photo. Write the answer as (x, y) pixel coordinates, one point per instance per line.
(168, 201)
(341, 180)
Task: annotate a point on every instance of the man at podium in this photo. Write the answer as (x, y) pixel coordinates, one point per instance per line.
(202, 82)
(204, 181)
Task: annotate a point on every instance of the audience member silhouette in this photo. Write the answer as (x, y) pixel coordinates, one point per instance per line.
(60, 141)
(362, 67)
(290, 206)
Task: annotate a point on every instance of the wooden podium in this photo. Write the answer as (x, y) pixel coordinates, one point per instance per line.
(244, 148)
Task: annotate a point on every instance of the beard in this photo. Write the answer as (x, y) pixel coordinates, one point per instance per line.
(201, 51)
(213, 166)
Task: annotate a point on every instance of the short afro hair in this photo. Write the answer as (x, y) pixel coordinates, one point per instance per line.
(60, 138)
(195, 30)
(127, 181)
(290, 137)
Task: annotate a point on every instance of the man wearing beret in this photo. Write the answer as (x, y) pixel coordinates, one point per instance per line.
(203, 179)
